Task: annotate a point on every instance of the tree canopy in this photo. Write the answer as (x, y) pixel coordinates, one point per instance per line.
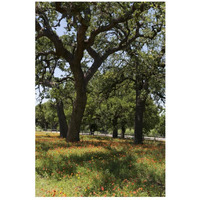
(127, 37)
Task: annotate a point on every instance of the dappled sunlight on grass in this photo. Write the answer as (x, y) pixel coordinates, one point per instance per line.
(99, 166)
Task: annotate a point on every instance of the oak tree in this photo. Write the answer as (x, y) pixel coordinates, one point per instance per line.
(92, 28)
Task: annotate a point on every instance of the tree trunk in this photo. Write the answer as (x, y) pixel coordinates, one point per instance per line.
(115, 129)
(115, 133)
(91, 133)
(93, 128)
(78, 111)
(139, 111)
(123, 131)
(62, 119)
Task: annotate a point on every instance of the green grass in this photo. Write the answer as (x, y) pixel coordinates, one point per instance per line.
(98, 166)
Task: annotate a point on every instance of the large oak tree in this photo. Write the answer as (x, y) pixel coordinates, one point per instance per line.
(92, 28)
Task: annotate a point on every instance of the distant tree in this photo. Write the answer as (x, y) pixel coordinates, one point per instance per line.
(62, 118)
(46, 116)
(149, 78)
(159, 129)
(110, 102)
(63, 98)
(58, 93)
(40, 120)
(151, 116)
(142, 67)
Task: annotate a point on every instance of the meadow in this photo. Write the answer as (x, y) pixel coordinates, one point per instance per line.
(98, 167)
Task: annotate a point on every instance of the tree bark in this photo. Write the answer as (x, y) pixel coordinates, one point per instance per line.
(76, 118)
(123, 131)
(115, 133)
(78, 107)
(93, 128)
(62, 119)
(139, 111)
(115, 129)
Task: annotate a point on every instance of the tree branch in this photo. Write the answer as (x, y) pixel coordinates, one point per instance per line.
(98, 60)
(101, 29)
(128, 15)
(45, 54)
(61, 80)
(47, 31)
(96, 64)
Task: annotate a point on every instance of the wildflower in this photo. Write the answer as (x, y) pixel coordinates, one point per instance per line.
(102, 188)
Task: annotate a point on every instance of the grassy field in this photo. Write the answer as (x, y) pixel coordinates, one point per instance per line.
(98, 167)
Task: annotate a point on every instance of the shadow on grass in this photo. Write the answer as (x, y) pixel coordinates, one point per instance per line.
(101, 162)
(114, 165)
(49, 145)
(102, 137)
(61, 143)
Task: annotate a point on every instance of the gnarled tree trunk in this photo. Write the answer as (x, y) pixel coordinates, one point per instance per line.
(78, 107)
(62, 119)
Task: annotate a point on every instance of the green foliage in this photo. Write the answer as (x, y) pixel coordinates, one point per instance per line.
(111, 92)
(108, 98)
(159, 129)
(151, 117)
(46, 116)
